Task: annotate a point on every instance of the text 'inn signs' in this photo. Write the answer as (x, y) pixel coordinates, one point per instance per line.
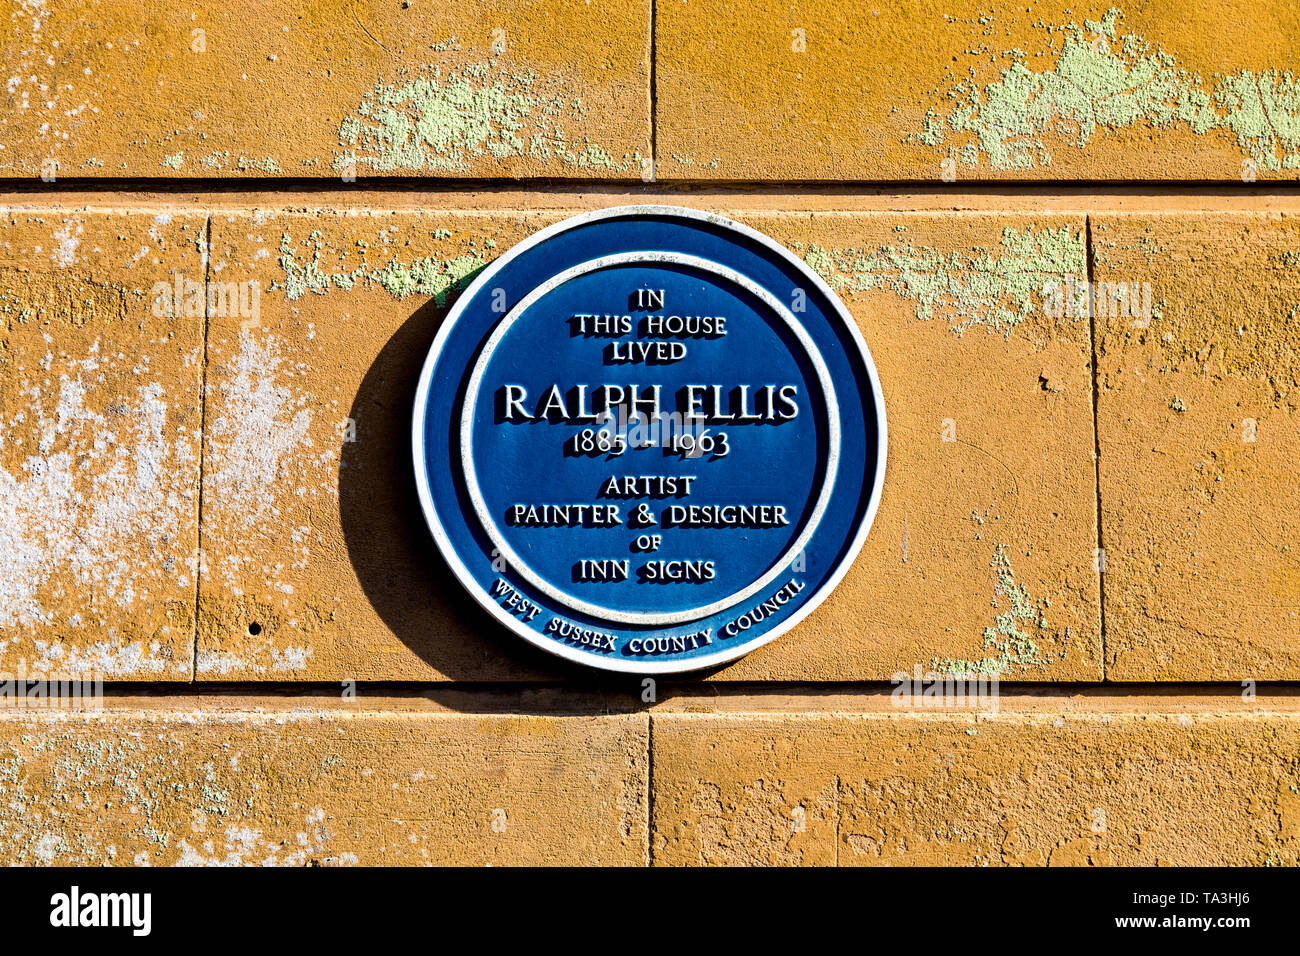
(649, 439)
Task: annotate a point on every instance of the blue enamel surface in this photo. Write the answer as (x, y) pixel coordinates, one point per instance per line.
(530, 461)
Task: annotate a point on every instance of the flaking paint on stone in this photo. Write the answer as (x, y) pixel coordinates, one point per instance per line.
(994, 288)
(442, 118)
(246, 89)
(300, 786)
(1102, 80)
(98, 447)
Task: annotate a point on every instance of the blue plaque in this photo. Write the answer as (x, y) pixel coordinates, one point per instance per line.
(649, 439)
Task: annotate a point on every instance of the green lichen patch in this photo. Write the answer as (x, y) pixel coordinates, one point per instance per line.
(1263, 110)
(431, 276)
(442, 118)
(1011, 639)
(687, 160)
(997, 289)
(1100, 79)
(1148, 245)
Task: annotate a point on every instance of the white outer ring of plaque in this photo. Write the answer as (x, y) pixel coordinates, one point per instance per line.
(539, 640)
(520, 567)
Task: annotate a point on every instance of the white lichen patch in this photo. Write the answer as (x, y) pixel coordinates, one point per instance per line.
(102, 657)
(45, 94)
(66, 241)
(263, 423)
(1091, 79)
(253, 659)
(247, 846)
(217, 161)
(167, 792)
(443, 118)
(96, 503)
(261, 455)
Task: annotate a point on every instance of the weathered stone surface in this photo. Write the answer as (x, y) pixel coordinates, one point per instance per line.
(271, 782)
(1197, 419)
(221, 491)
(99, 440)
(956, 91)
(1056, 787)
(767, 779)
(262, 88)
(319, 564)
(981, 556)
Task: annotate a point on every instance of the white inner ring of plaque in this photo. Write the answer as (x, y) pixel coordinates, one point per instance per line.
(630, 617)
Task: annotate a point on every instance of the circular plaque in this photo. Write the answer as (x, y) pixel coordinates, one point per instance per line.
(649, 439)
